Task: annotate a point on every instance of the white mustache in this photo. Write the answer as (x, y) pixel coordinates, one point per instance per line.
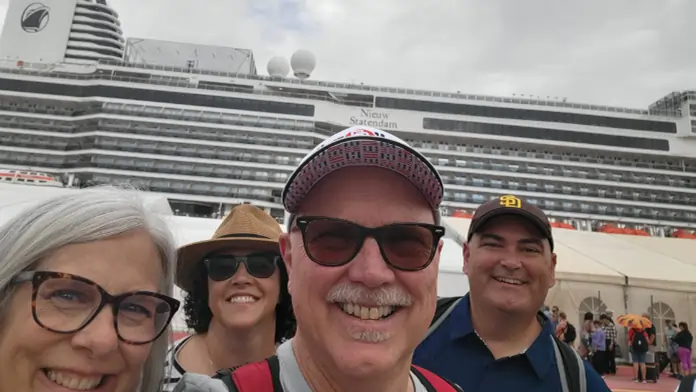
(383, 296)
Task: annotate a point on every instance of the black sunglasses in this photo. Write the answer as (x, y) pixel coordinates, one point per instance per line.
(334, 242)
(259, 265)
(66, 303)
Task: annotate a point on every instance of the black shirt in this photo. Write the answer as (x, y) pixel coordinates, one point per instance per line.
(684, 339)
(652, 335)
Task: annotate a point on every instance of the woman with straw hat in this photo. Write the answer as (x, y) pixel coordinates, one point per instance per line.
(237, 300)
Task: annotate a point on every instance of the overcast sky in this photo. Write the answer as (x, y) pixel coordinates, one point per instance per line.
(616, 52)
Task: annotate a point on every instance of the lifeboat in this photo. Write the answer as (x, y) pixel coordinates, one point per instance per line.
(28, 177)
(562, 225)
(611, 229)
(681, 233)
(462, 214)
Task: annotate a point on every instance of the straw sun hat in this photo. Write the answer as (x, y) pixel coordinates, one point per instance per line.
(245, 226)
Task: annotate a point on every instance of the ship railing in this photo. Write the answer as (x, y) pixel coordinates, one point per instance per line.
(43, 68)
(178, 82)
(673, 100)
(148, 111)
(428, 93)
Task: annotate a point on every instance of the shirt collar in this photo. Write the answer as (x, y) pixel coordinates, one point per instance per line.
(540, 354)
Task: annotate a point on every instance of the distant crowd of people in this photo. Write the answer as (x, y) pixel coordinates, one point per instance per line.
(598, 343)
(596, 340)
(345, 299)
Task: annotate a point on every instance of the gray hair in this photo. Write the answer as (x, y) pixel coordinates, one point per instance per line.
(80, 217)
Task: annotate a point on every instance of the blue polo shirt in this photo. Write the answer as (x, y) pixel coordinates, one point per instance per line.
(455, 352)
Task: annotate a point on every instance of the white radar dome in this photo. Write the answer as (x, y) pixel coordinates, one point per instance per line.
(303, 63)
(278, 67)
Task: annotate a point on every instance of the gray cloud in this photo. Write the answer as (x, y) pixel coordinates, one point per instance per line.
(618, 52)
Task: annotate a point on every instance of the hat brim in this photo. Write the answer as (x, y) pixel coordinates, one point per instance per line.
(544, 229)
(382, 152)
(190, 255)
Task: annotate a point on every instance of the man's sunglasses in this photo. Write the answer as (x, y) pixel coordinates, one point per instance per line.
(334, 242)
(259, 265)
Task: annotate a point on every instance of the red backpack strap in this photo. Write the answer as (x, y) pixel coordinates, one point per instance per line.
(434, 383)
(261, 376)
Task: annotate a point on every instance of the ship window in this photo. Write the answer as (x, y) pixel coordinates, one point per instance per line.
(546, 134)
(526, 114)
(159, 96)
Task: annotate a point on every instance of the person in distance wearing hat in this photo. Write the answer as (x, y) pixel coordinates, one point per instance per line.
(362, 251)
(495, 338)
(237, 300)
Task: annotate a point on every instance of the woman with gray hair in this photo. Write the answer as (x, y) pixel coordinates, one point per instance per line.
(85, 295)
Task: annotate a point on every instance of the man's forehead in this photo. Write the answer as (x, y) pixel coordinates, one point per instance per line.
(369, 185)
(503, 223)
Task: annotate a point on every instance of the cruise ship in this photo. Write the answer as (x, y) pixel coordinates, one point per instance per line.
(203, 127)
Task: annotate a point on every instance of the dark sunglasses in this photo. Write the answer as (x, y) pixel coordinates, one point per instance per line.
(334, 242)
(259, 265)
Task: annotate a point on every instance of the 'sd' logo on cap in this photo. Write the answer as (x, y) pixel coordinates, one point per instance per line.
(510, 201)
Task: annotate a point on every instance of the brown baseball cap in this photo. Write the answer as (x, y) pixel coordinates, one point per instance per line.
(511, 205)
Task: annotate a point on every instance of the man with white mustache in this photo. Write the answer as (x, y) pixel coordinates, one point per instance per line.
(495, 338)
(362, 251)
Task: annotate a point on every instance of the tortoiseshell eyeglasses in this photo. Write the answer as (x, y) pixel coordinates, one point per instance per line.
(66, 303)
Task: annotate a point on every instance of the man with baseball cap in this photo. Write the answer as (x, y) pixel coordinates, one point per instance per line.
(495, 338)
(362, 253)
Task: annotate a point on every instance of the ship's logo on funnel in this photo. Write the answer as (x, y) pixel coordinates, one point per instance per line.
(35, 17)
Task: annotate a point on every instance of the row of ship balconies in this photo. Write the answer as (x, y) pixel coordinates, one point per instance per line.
(215, 119)
(187, 188)
(90, 108)
(252, 193)
(472, 156)
(462, 189)
(217, 210)
(455, 171)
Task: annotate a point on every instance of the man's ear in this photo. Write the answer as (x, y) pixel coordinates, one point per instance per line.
(553, 270)
(465, 256)
(285, 246)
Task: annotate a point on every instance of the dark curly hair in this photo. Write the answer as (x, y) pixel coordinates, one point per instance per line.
(198, 314)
